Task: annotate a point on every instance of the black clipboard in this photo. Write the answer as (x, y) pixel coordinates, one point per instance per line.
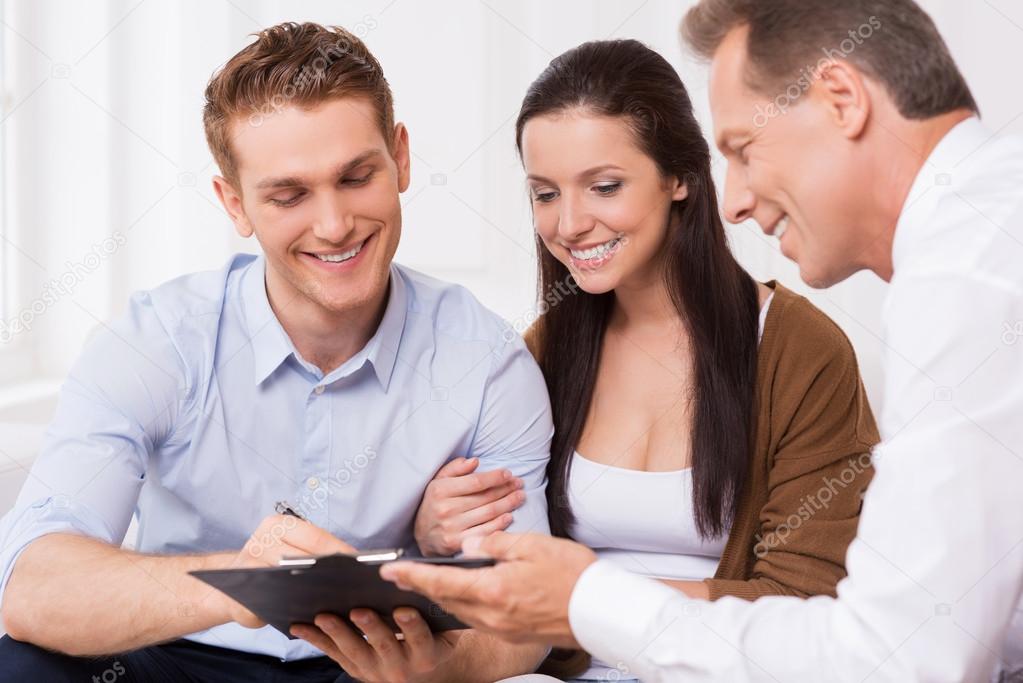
(303, 587)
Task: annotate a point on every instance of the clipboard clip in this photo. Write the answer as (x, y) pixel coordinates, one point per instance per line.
(379, 555)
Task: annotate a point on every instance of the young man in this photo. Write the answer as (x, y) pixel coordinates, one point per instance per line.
(319, 373)
(851, 135)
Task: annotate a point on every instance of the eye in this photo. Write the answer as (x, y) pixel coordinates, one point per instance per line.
(607, 189)
(545, 197)
(289, 201)
(744, 153)
(356, 182)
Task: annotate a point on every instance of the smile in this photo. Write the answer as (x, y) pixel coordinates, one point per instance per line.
(779, 228)
(343, 256)
(597, 252)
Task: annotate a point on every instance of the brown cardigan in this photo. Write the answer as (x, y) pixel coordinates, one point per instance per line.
(810, 464)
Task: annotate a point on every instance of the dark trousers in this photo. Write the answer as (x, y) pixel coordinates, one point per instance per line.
(180, 661)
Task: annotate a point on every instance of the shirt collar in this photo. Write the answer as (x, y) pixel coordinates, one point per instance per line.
(382, 348)
(941, 173)
(271, 345)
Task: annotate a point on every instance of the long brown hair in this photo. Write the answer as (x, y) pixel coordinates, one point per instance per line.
(715, 298)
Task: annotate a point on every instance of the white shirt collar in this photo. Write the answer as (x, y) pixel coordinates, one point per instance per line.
(940, 174)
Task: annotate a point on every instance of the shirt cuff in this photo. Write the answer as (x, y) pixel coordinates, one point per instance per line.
(20, 527)
(614, 613)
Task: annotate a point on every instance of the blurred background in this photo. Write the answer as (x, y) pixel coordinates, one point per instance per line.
(105, 176)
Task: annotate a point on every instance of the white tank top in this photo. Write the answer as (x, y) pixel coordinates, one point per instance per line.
(642, 521)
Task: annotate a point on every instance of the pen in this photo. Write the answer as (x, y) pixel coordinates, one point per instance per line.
(283, 508)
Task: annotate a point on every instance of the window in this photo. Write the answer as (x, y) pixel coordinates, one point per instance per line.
(15, 354)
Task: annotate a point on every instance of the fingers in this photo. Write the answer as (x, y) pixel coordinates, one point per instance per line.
(498, 524)
(485, 513)
(347, 642)
(418, 638)
(477, 482)
(311, 539)
(279, 535)
(492, 494)
(317, 638)
(438, 583)
(457, 468)
(380, 637)
(504, 546)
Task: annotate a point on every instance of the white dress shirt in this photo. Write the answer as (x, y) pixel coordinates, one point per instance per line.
(936, 569)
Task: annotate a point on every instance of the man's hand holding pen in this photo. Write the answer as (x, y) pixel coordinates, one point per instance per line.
(277, 536)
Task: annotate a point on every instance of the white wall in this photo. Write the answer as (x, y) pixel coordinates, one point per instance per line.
(103, 135)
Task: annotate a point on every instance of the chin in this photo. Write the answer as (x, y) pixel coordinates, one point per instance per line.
(594, 282)
(819, 278)
(342, 301)
(340, 298)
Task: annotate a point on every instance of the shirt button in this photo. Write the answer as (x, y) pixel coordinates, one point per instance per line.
(312, 482)
(318, 390)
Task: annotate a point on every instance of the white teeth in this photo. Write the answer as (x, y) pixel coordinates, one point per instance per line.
(595, 252)
(782, 226)
(338, 258)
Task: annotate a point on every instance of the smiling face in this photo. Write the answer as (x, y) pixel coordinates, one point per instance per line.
(600, 204)
(319, 188)
(797, 173)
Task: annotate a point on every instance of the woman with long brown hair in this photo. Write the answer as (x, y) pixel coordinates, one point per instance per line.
(710, 430)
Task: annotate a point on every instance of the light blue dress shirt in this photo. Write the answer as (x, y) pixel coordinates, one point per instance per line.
(195, 412)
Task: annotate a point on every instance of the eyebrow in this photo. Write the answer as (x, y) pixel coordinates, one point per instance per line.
(585, 174)
(727, 138)
(294, 181)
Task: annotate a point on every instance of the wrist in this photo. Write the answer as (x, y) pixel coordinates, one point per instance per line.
(211, 606)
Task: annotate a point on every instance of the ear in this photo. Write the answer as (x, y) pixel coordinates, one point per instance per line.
(232, 201)
(402, 156)
(679, 190)
(841, 89)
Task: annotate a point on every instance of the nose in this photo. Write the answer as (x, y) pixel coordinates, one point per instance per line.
(739, 200)
(333, 223)
(574, 220)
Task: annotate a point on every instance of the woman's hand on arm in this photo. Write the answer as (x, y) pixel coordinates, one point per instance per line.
(461, 502)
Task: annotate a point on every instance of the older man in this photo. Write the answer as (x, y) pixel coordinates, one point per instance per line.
(850, 134)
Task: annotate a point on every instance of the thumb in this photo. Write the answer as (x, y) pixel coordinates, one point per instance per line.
(499, 545)
(458, 467)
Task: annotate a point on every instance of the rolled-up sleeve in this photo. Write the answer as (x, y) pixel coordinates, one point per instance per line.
(120, 400)
(515, 430)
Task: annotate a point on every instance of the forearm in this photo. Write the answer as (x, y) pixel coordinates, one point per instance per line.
(481, 658)
(81, 596)
(694, 589)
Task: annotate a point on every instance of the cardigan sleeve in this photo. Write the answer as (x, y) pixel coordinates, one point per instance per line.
(822, 433)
